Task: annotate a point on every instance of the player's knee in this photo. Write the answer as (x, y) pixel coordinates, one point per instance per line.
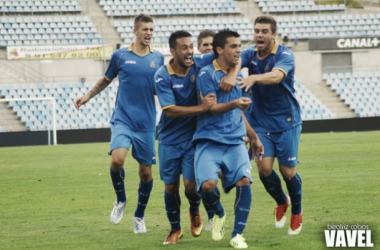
(243, 182)
(209, 186)
(190, 187)
(171, 189)
(287, 172)
(145, 173)
(117, 163)
(265, 172)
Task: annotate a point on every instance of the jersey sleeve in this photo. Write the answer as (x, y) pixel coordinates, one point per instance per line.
(163, 89)
(245, 57)
(284, 62)
(205, 84)
(112, 69)
(204, 60)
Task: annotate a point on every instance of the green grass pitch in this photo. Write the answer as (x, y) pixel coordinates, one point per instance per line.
(60, 197)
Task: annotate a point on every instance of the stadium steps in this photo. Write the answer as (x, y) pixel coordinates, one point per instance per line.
(92, 9)
(9, 120)
(8, 75)
(251, 10)
(331, 100)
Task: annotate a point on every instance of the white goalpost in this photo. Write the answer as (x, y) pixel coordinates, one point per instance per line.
(53, 109)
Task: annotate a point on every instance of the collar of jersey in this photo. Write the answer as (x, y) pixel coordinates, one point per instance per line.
(130, 48)
(172, 72)
(216, 66)
(274, 49)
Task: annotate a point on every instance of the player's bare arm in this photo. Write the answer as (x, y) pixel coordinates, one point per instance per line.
(229, 81)
(241, 103)
(270, 78)
(254, 140)
(99, 87)
(183, 111)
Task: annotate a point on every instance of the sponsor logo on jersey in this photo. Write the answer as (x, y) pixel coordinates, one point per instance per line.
(130, 62)
(177, 86)
(286, 53)
(292, 158)
(201, 74)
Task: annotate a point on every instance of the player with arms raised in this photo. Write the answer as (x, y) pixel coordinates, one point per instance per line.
(134, 118)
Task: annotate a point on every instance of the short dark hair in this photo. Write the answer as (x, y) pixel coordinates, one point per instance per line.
(220, 39)
(142, 18)
(204, 34)
(175, 35)
(268, 19)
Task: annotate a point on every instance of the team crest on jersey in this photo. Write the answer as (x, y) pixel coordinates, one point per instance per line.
(266, 68)
(152, 64)
(193, 78)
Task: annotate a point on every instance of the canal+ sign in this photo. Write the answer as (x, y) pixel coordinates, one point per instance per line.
(346, 43)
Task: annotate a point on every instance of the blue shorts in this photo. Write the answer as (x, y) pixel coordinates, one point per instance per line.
(176, 160)
(143, 149)
(211, 157)
(283, 145)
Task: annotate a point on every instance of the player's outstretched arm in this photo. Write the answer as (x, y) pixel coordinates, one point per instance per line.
(184, 111)
(99, 86)
(255, 143)
(241, 103)
(270, 78)
(229, 81)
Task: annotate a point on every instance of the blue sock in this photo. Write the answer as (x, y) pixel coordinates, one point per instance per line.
(209, 211)
(242, 206)
(294, 186)
(213, 201)
(118, 184)
(144, 194)
(173, 211)
(194, 201)
(272, 184)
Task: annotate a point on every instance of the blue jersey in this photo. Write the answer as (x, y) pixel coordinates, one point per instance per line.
(274, 108)
(134, 104)
(227, 128)
(180, 90)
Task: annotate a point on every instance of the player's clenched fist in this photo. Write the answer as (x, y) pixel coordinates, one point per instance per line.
(243, 103)
(208, 101)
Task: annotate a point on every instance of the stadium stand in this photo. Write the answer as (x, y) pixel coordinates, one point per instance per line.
(164, 27)
(55, 30)
(359, 90)
(311, 107)
(328, 26)
(36, 115)
(39, 7)
(130, 8)
(57, 22)
(280, 7)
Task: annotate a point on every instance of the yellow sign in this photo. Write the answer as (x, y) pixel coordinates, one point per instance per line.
(59, 52)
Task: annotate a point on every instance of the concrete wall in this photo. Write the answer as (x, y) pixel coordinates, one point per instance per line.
(308, 66)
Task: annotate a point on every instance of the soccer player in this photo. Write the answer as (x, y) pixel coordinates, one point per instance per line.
(275, 115)
(177, 93)
(219, 141)
(133, 120)
(205, 40)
